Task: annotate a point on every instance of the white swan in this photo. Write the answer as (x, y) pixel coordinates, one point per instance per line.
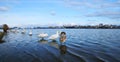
(17, 31)
(54, 36)
(14, 31)
(30, 33)
(43, 35)
(23, 31)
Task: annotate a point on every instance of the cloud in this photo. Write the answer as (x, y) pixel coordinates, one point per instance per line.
(6, 4)
(4, 8)
(98, 8)
(111, 5)
(81, 3)
(53, 13)
(10, 1)
(75, 4)
(111, 15)
(93, 4)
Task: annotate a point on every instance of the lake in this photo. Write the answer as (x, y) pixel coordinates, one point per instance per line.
(83, 45)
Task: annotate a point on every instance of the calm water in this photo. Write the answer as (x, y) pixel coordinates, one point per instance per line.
(83, 45)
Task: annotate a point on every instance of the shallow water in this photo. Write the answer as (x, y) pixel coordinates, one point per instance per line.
(83, 45)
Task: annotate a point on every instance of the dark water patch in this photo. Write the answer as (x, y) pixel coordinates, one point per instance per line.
(55, 57)
(91, 51)
(2, 41)
(54, 44)
(96, 46)
(87, 56)
(106, 53)
(33, 57)
(77, 57)
(42, 51)
(107, 57)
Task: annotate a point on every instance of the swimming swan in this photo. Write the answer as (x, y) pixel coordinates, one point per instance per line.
(30, 33)
(54, 36)
(43, 35)
(23, 31)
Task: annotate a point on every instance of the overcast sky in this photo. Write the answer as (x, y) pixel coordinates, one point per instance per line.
(15, 12)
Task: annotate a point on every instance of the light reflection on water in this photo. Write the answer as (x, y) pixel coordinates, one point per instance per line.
(83, 45)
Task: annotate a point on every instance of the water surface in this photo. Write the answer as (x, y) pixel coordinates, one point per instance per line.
(83, 45)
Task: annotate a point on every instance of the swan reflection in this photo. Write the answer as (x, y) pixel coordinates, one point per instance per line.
(63, 49)
(43, 41)
(54, 43)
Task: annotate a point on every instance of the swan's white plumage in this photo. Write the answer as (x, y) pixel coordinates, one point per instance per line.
(54, 36)
(23, 31)
(30, 33)
(43, 35)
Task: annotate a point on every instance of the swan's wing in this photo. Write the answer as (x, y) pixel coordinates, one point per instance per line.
(40, 35)
(43, 35)
(46, 35)
(53, 36)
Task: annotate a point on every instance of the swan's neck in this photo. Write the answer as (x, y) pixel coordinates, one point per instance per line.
(57, 33)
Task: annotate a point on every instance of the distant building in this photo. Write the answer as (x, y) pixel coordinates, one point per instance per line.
(100, 25)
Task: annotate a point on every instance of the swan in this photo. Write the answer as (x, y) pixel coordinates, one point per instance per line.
(54, 36)
(23, 31)
(62, 37)
(17, 31)
(43, 35)
(14, 31)
(30, 33)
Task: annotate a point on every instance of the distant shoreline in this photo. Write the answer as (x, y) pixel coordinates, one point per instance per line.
(99, 26)
(66, 28)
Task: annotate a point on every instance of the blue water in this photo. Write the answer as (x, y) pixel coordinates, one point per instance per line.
(83, 45)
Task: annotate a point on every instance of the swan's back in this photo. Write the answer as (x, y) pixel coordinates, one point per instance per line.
(30, 32)
(54, 36)
(43, 35)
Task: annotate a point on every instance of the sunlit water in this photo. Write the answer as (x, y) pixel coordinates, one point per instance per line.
(83, 45)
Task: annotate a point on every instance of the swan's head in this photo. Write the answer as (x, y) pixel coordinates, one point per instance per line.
(62, 36)
(62, 33)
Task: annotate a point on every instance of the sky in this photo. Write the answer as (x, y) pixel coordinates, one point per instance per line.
(59, 12)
